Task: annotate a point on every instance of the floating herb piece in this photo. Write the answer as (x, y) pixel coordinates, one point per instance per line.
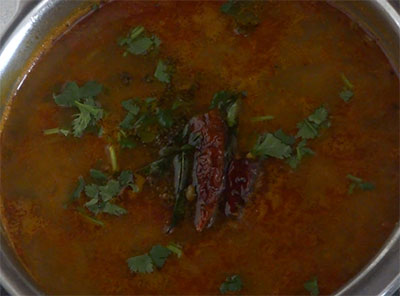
(269, 145)
(145, 263)
(162, 72)
(79, 188)
(92, 220)
(232, 284)
(113, 158)
(98, 175)
(165, 118)
(360, 183)
(140, 264)
(301, 151)
(88, 116)
(139, 42)
(262, 118)
(72, 93)
(308, 128)
(347, 92)
(176, 249)
(53, 131)
(312, 286)
(285, 138)
(243, 12)
(159, 255)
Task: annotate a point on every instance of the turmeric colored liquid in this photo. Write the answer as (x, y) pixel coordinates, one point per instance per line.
(298, 223)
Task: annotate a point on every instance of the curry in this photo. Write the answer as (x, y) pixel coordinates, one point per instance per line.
(203, 148)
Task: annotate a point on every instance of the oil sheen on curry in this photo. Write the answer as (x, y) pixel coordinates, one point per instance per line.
(203, 148)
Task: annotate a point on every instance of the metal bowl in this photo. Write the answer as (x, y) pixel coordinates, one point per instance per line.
(34, 21)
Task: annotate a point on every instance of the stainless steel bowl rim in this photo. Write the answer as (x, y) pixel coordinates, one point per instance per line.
(381, 276)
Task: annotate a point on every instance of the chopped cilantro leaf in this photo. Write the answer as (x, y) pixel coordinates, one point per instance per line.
(162, 72)
(56, 130)
(308, 128)
(128, 122)
(138, 42)
(113, 209)
(159, 255)
(72, 93)
(140, 264)
(79, 188)
(268, 145)
(346, 95)
(89, 115)
(68, 96)
(165, 118)
(301, 151)
(131, 106)
(232, 284)
(110, 190)
(319, 116)
(127, 143)
(360, 183)
(98, 175)
(92, 191)
(285, 138)
(312, 286)
(125, 178)
(243, 12)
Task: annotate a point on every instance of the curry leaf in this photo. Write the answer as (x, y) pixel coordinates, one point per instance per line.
(113, 209)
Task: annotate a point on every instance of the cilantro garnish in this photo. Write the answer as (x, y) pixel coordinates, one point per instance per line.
(139, 42)
(347, 92)
(176, 249)
(81, 98)
(163, 72)
(287, 139)
(308, 128)
(140, 264)
(360, 183)
(159, 255)
(312, 286)
(243, 12)
(53, 131)
(145, 263)
(232, 284)
(269, 145)
(301, 151)
(262, 118)
(102, 193)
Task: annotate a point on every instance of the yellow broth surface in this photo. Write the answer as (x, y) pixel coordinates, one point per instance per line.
(297, 224)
